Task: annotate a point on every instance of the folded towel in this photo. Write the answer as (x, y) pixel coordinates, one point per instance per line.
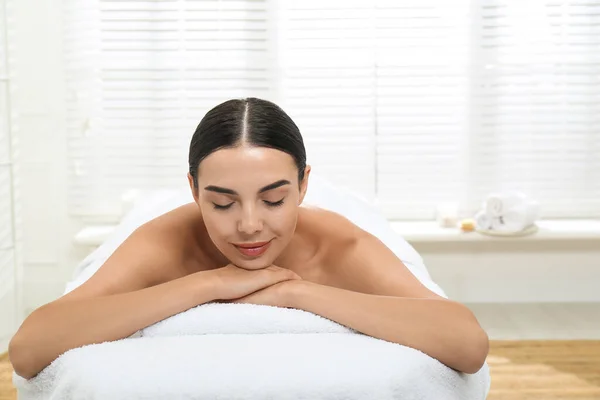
(497, 204)
(517, 218)
(172, 361)
(217, 318)
(483, 220)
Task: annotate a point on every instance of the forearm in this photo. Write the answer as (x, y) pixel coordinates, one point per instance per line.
(63, 325)
(444, 330)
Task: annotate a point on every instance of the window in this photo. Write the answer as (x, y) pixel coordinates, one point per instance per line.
(409, 104)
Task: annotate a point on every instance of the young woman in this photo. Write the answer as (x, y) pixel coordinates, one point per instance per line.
(247, 238)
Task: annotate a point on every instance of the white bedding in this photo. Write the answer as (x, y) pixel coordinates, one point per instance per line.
(260, 352)
(241, 351)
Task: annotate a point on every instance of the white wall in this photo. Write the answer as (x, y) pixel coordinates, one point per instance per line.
(513, 272)
(8, 285)
(37, 96)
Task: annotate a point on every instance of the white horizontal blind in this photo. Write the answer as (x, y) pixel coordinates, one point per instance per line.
(412, 103)
(327, 85)
(537, 88)
(145, 73)
(422, 63)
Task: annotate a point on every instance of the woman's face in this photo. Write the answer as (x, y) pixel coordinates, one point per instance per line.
(249, 199)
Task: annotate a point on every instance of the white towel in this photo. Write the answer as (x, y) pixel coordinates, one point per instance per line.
(497, 204)
(517, 218)
(483, 220)
(214, 318)
(181, 358)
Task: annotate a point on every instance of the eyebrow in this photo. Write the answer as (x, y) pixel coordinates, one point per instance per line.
(270, 186)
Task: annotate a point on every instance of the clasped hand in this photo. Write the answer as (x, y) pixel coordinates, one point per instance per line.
(272, 286)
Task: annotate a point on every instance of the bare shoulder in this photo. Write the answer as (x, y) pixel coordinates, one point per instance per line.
(334, 232)
(175, 228)
(177, 223)
(157, 251)
(357, 260)
(181, 231)
(331, 226)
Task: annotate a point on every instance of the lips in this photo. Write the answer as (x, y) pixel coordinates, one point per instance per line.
(253, 249)
(251, 245)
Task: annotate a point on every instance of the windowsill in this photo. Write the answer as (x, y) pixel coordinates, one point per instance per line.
(423, 232)
(548, 230)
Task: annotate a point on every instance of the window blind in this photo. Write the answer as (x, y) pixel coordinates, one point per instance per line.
(327, 85)
(422, 80)
(536, 115)
(409, 104)
(142, 75)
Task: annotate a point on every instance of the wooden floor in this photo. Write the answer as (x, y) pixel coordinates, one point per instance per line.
(7, 391)
(549, 370)
(520, 370)
(539, 321)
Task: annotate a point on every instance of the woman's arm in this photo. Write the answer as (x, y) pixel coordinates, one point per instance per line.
(367, 288)
(123, 295)
(375, 293)
(443, 329)
(145, 280)
(69, 323)
(66, 324)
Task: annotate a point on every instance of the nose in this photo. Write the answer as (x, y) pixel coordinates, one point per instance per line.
(251, 221)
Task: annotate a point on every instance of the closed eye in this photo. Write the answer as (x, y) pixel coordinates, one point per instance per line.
(268, 203)
(273, 203)
(219, 207)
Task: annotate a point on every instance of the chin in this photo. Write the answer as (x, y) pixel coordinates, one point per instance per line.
(252, 265)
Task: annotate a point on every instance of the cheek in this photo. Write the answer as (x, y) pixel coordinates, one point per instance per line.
(284, 223)
(218, 226)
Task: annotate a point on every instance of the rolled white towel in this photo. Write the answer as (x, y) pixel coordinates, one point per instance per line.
(517, 218)
(497, 204)
(483, 220)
